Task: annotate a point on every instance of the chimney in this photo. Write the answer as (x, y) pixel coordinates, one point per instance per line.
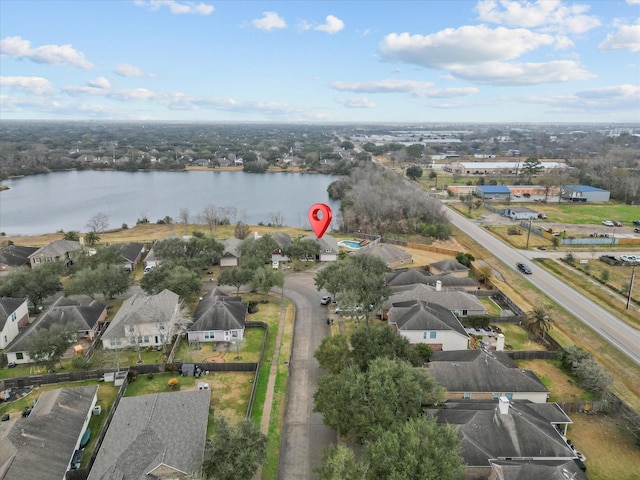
(438, 286)
(500, 343)
(503, 405)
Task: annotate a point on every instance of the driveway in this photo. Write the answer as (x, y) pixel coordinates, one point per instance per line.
(304, 436)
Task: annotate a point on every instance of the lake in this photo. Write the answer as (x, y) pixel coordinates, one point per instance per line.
(66, 201)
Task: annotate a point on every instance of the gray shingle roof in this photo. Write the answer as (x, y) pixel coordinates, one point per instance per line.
(64, 311)
(141, 309)
(450, 265)
(41, 445)
(388, 253)
(451, 300)
(327, 242)
(486, 434)
(417, 315)
(530, 470)
(57, 248)
(7, 307)
(150, 430)
(232, 247)
(282, 239)
(131, 250)
(480, 371)
(406, 277)
(15, 255)
(219, 312)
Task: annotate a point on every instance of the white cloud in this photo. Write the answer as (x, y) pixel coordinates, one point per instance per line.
(332, 25)
(382, 86)
(177, 8)
(56, 55)
(464, 45)
(633, 2)
(126, 70)
(603, 99)
(356, 102)
(627, 37)
(99, 82)
(33, 85)
(449, 92)
(269, 21)
(547, 15)
(501, 73)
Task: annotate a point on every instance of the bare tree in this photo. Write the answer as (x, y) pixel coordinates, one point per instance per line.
(277, 218)
(184, 218)
(210, 217)
(98, 223)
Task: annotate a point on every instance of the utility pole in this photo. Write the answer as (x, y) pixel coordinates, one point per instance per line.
(528, 235)
(633, 274)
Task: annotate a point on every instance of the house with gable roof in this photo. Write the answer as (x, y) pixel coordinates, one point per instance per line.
(145, 320)
(530, 470)
(231, 254)
(449, 266)
(56, 251)
(392, 256)
(432, 324)
(461, 304)
(218, 318)
(85, 316)
(131, 255)
(505, 430)
(14, 315)
(14, 257)
(480, 375)
(161, 436)
(42, 445)
(442, 281)
(329, 249)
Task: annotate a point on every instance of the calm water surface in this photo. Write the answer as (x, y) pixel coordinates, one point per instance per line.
(67, 200)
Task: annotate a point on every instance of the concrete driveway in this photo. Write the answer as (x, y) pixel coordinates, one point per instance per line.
(304, 436)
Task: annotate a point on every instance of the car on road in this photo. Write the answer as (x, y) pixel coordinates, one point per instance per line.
(636, 222)
(524, 268)
(608, 223)
(326, 300)
(617, 223)
(636, 230)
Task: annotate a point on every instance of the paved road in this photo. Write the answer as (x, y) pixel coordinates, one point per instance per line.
(304, 436)
(615, 331)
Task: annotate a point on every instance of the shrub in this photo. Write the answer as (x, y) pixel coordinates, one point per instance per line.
(150, 376)
(476, 321)
(253, 307)
(79, 362)
(173, 383)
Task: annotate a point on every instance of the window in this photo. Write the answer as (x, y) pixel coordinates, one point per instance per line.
(14, 316)
(465, 313)
(509, 395)
(36, 259)
(139, 338)
(20, 356)
(495, 395)
(467, 395)
(209, 335)
(146, 339)
(424, 335)
(114, 342)
(432, 334)
(5, 339)
(161, 326)
(234, 334)
(48, 259)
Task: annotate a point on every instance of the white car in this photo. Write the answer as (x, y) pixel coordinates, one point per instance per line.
(608, 223)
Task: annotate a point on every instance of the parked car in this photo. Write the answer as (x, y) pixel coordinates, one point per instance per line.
(542, 215)
(524, 268)
(636, 222)
(326, 300)
(147, 269)
(637, 230)
(608, 223)
(526, 195)
(617, 223)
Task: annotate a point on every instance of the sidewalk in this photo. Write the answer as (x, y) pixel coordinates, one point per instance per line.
(271, 383)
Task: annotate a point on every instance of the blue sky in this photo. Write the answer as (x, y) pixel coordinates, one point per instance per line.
(321, 61)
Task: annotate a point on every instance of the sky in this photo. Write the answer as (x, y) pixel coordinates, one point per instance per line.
(484, 61)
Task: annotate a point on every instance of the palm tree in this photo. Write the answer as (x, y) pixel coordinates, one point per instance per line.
(538, 320)
(91, 238)
(71, 235)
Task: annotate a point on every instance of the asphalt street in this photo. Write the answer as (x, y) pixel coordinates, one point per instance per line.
(620, 335)
(304, 436)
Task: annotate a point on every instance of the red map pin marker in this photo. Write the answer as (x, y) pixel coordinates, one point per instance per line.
(320, 217)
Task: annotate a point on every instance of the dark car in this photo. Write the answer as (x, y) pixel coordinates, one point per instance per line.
(636, 222)
(524, 268)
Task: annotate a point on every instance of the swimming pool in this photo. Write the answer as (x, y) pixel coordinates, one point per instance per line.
(352, 244)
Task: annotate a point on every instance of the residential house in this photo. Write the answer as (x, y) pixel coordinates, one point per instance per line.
(520, 213)
(449, 266)
(42, 445)
(151, 261)
(144, 320)
(56, 251)
(85, 316)
(283, 240)
(530, 470)
(480, 375)
(504, 430)
(431, 324)
(461, 304)
(328, 247)
(446, 281)
(13, 257)
(14, 315)
(231, 254)
(132, 254)
(218, 318)
(390, 255)
(161, 436)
